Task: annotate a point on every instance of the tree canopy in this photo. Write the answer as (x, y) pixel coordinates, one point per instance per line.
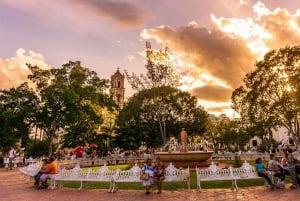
(160, 70)
(270, 96)
(153, 115)
(17, 106)
(71, 98)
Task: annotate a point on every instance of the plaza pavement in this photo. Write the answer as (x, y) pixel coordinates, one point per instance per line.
(15, 187)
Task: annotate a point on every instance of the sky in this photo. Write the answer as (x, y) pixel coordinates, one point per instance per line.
(215, 42)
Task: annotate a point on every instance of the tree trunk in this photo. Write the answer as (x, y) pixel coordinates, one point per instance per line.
(162, 128)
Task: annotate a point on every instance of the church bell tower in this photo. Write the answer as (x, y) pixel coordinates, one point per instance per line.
(117, 90)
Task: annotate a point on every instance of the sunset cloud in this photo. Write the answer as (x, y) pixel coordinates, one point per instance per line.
(121, 12)
(13, 71)
(266, 30)
(212, 93)
(85, 16)
(228, 51)
(214, 43)
(211, 52)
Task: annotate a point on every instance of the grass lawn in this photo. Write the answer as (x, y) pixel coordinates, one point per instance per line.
(170, 185)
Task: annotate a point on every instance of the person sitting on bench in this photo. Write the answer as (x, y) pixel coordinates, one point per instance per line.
(52, 168)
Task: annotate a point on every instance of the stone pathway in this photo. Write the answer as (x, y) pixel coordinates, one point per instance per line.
(15, 187)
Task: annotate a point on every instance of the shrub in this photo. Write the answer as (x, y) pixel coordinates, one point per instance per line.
(38, 148)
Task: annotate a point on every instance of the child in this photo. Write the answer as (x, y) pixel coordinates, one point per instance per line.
(262, 172)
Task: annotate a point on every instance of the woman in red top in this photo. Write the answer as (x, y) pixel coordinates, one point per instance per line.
(159, 174)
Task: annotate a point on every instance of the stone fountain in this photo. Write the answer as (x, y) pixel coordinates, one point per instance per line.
(180, 154)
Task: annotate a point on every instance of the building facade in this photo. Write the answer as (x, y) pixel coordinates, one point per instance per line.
(117, 90)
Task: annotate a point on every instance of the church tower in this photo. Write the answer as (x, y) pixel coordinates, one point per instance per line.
(117, 90)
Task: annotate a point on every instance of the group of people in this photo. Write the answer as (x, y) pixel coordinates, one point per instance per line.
(47, 170)
(280, 169)
(156, 174)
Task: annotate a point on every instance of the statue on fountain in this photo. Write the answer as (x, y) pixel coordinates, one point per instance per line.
(176, 150)
(183, 137)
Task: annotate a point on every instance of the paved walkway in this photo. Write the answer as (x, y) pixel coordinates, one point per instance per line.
(14, 187)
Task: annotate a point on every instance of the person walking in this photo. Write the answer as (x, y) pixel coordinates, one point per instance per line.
(11, 157)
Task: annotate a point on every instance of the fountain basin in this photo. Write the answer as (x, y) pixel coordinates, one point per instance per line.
(190, 156)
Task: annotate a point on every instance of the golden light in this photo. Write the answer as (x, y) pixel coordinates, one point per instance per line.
(247, 30)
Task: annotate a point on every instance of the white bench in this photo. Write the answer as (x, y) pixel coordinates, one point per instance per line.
(248, 171)
(18, 161)
(64, 174)
(214, 173)
(115, 176)
(31, 170)
(83, 176)
(172, 174)
(131, 175)
(101, 175)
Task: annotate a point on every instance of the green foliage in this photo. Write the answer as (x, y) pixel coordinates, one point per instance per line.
(17, 106)
(160, 71)
(269, 96)
(226, 133)
(155, 114)
(72, 98)
(266, 145)
(38, 148)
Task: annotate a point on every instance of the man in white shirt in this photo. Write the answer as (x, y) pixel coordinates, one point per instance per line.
(275, 167)
(11, 156)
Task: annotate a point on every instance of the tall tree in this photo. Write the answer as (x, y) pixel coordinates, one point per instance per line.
(160, 70)
(18, 108)
(161, 112)
(270, 95)
(71, 99)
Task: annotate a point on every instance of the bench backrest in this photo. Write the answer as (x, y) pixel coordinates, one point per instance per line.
(175, 174)
(213, 171)
(31, 169)
(131, 175)
(246, 170)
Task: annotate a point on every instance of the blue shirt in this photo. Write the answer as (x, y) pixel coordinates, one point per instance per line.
(260, 167)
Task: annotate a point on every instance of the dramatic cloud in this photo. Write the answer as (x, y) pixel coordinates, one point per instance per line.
(212, 93)
(211, 52)
(78, 15)
(218, 109)
(283, 27)
(122, 12)
(266, 30)
(13, 71)
(218, 59)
